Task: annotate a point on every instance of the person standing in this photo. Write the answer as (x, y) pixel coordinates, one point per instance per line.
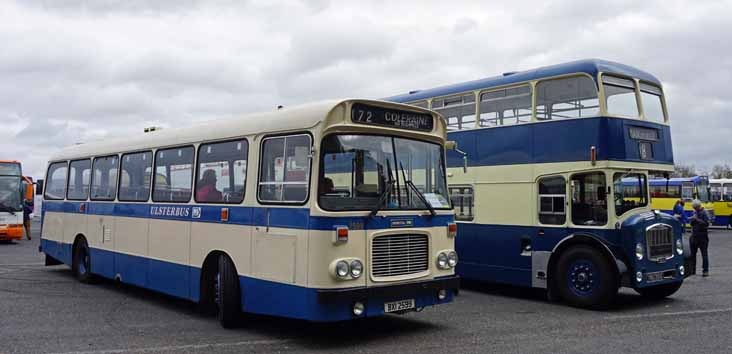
(27, 210)
(700, 235)
(680, 215)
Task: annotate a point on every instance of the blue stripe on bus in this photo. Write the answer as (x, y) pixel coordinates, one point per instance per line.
(294, 218)
(559, 141)
(258, 296)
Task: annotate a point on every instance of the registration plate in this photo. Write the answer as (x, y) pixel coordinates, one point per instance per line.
(400, 305)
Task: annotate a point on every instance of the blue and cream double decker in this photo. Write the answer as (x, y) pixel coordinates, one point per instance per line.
(542, 201)
(258, 213)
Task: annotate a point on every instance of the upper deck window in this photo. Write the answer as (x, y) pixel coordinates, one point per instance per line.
(459, 111)
(620, 96)
(505, 107)
(652, 105)
(572, 97)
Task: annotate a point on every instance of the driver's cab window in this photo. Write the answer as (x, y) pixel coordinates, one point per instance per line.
(589, 200)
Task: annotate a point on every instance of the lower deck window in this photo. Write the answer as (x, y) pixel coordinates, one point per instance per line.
(589, 204)
(552, 194)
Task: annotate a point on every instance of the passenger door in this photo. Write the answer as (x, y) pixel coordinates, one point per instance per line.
(551, 227)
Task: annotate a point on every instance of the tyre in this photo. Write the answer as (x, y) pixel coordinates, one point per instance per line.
(227, 294)
(81, 262)
(585, 278)
(659, 291)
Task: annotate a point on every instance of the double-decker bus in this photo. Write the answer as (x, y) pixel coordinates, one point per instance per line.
(542, 203)
(666, 192)
(257, 214)
(14, 189)
(720, 193)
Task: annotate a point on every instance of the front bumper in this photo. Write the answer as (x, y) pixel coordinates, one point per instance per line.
(11, 233)
(416, 289)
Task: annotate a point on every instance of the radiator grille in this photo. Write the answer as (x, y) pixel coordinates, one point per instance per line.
(393, 255)
(660, 241)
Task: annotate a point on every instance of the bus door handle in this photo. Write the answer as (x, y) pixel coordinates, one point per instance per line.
(267, 229)
(541, 232)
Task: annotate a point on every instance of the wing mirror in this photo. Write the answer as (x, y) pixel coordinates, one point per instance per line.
(39, 187)
(452, 145)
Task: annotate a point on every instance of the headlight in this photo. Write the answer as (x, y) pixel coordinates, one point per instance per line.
(342, 269)
(639, 252)
(442, 261)
(356, 268)
(679, 247)
(452, 259)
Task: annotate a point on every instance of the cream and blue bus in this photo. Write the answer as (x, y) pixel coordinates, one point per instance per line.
(257, 213)
(542, 203)
(665, 192)
(720, 193)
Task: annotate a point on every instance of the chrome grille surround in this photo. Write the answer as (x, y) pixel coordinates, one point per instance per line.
(399, 255)
(660, 242)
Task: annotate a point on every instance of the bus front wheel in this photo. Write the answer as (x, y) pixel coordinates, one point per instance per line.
(659, 292)
(585, 278)
(227, 293)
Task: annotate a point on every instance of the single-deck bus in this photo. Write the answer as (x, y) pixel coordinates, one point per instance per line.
(666, 192)
(324, 212)
(720, 192)
(542, 203)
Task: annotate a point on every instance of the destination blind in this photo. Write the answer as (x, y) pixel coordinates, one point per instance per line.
(365, 114)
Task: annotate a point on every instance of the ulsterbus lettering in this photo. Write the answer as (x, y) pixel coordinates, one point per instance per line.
(170, 211)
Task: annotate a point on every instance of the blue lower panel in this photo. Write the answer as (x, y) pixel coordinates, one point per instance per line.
(258, 296)
(494, 274)
(721, 220)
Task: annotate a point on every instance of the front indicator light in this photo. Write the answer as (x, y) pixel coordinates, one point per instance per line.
(356, 269)
(638, 277)
(442, 261)
(639, 252)
(358, 309)
(342, 269)
(442, 294)
(452, 259)
(679, 247)
(452, 229)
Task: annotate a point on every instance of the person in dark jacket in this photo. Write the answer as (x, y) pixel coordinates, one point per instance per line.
(700, 235)
(27, 210)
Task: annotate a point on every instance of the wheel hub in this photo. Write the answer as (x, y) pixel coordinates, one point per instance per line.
(582, 278)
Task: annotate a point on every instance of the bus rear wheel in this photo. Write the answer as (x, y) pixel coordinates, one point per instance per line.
(659, 292)
(81, 262)
(227, 294)
(584, 278)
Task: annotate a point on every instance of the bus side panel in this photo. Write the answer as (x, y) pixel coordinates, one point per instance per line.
(131, 246)
(169, 249)
(493, 253)
(101, 250)
(52, 232)
(723, 211)
(73, 224)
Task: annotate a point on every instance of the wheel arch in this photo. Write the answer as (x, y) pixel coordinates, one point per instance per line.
(587, 240)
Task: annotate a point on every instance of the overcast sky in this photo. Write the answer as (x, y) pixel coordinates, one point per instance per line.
(77, 71)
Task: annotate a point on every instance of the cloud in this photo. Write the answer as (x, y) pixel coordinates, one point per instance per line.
(76, 70)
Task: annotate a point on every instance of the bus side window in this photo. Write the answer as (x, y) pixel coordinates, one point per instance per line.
(222, 171)
(104, 178)
(459, 111)
(285, 169)
(462, 202)
(56, 181)
(552, 196)
(79, 176)
(134, 181)
(572, 97)
(175, 168)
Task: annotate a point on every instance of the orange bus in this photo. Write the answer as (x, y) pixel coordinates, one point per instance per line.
(14, 190)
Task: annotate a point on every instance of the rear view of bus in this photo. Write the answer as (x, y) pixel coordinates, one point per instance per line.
(12, 192)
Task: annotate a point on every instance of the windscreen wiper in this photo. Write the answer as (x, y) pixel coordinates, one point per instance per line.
(385, 194)
(416, 190)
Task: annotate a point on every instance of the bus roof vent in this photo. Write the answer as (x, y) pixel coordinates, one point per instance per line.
(152, 129)
(509, 73)
(414, 91)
